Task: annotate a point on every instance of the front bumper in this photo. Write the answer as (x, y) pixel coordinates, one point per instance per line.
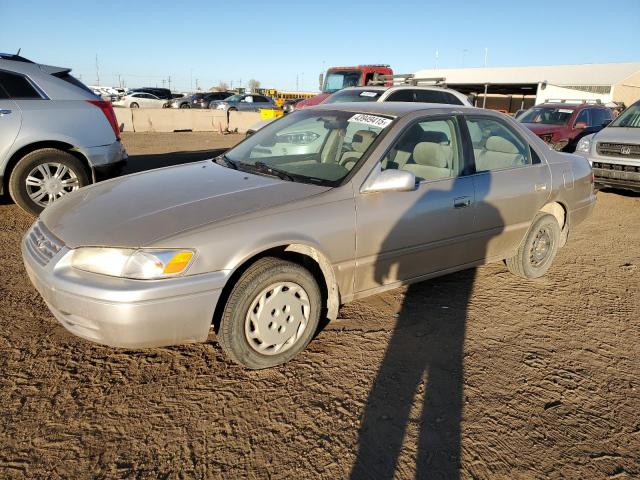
(614, 172)
(122, 312)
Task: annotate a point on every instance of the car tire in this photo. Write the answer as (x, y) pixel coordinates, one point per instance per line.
(185, 105)
(33, 169)
(134, 105)
(273, 301)
(538, 248)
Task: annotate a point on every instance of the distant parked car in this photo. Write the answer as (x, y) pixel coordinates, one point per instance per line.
(56, 136)
(203, 100)
(142, 99)
(614, 152)
(244, 103)
(562, 125)
(163, 93)
(325, 206)
(181, 101)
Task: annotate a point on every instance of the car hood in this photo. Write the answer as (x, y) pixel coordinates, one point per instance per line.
(618, 135)
(135, 210)
(541, 129)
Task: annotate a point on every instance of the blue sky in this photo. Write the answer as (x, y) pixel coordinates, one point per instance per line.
(274, 42)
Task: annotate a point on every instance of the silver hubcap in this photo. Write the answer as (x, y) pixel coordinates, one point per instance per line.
(540, 248)
(49, 181)
(277, 318)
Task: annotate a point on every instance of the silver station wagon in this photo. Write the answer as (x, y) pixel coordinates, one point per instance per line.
(327, 205)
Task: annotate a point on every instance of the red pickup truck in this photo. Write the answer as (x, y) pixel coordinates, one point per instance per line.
(338, 78)
(562, 125)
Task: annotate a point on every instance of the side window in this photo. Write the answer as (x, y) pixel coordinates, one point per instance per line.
(247, 99)
(260, 99)
(600, 117)
(583, 116)
(401, 96)
(18, 87)
(450, 99)
(3, 94)
(496, 145)
(430, 149)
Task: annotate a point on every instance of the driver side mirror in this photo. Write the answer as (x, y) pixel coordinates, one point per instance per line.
(580, 125)
(389, 181)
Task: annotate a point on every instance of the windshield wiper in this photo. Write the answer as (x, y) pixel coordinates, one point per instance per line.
(263, 167)
(225, 162)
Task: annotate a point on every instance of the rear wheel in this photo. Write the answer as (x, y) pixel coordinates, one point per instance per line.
(44, 176)
(134, 105)
(185, 105)
(538, 249)
(271, 315)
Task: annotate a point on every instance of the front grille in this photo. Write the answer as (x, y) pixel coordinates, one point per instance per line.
(42, 244)
(623, 150)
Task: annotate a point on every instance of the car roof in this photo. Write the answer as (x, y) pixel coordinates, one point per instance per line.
(394, 109)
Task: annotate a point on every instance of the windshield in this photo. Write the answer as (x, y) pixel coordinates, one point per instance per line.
(630, 118)
(354, 96)
(338, 80)
(309, 146)
(546, 115)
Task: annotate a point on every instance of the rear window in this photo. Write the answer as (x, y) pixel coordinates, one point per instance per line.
(18, 87)
(67, 77)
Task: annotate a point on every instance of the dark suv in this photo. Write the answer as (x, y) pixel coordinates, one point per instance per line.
(562, 125)
(163, 93)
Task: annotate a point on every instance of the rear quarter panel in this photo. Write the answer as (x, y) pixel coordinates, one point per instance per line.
(75, 122)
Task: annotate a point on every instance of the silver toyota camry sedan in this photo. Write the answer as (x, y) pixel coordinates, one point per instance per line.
(324, 206)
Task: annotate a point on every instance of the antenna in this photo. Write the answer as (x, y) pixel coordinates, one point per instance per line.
(97, 72)
(18, 54)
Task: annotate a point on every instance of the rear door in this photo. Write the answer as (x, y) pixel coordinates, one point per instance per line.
(10, 120)
(512, 183)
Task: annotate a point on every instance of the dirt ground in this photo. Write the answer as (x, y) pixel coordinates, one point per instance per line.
(475, 375)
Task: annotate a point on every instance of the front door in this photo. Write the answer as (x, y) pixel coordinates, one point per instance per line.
(405, 235)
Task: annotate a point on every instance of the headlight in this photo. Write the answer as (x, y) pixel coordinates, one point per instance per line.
(127, 263)
(584, 144)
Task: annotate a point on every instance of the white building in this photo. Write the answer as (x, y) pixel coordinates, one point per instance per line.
(511, 88)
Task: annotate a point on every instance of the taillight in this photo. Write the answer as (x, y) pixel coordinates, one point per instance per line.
(107, 109)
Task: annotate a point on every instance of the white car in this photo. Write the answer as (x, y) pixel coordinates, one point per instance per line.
(142, 100)
(400, 93)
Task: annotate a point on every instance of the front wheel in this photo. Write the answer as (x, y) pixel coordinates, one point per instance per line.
(185, 105)
(134, 105)
(271, 315)
(44, 176)
(538, 249)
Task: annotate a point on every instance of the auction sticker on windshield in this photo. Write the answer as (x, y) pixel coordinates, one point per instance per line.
(372, 120)
(368, 94)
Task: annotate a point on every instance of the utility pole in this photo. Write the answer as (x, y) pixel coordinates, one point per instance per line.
(191, 79)
(97, 72)
(196, 84)
(169, 82)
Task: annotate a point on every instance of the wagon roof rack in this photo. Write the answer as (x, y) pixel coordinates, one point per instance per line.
(407, 79)
(596, 101)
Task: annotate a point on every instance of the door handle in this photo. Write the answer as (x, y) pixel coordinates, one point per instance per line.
(462, 202)
(541, 187)
(4, 111)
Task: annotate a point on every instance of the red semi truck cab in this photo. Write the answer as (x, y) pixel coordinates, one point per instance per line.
(338, 78)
